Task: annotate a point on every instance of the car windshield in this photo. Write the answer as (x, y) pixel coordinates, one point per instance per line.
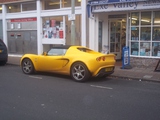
(56, 51)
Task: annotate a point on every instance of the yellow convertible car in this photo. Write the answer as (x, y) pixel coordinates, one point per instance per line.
(79, 62)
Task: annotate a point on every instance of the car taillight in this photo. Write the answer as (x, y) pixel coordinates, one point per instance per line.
(101, 59)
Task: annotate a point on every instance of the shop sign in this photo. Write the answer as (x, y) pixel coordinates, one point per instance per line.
(150, 4)
(24, 20)
(102, 2)
(71, 17)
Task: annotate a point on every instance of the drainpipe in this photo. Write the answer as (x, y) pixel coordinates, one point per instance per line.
(73, 23)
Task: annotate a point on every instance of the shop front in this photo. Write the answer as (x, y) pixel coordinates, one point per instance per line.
(35, 26)
(133, 23)
(22, 36)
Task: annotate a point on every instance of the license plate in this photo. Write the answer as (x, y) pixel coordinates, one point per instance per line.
(109, 69)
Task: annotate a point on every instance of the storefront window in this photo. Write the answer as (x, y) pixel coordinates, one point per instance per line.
(146, 18)
(156, 18)
(135, 19)
(57, 4)
(29, 6)
(156, 49)
(134, 48)
(53, 27)
(134, 33)
(156, 34)
(145, 33)
(12, 8)
(67, 3)
(145, 49)
(50, 4)
(145, 37)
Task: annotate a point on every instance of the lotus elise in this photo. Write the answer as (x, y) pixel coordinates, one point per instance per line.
(81, 63)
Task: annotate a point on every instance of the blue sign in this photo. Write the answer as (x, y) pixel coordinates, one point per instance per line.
(126, 57)
(100, 2)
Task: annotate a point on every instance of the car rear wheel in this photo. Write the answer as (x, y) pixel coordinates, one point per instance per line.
(27, 66)
(79, 72)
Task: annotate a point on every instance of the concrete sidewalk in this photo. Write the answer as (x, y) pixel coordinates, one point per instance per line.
(134, 73)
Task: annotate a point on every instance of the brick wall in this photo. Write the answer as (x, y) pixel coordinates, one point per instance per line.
(148, 63)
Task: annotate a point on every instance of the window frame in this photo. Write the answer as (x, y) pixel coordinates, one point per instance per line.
(149, 52)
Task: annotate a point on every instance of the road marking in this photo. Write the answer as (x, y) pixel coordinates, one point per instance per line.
(35, 77)
(102, 87)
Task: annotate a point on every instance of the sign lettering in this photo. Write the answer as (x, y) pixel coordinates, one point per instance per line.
(150, 4)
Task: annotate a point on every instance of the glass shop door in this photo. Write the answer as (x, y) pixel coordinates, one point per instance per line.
(117, 37)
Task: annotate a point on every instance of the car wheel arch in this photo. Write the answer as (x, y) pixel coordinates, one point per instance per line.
(85, 66)
(29, 59)
(78, 62)
(34, 70)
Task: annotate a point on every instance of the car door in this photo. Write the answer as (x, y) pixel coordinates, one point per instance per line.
(52, 61)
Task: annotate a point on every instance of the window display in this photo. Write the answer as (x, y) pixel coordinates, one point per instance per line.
(145, 49)
(134, 33)
(156, 34)
(53, 28)
(145, 37)
(156, 49)
(134, 48)
(145, 34)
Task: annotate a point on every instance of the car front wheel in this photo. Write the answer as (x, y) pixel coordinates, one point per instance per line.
(79, 72)
(27, 66)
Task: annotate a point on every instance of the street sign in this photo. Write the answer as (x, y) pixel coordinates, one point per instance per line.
(71, 17)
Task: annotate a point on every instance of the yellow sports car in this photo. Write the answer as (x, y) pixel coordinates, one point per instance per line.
(79, 62)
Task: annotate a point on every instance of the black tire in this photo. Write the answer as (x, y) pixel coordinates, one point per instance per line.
(79, 72)
(3, 62)
(27, 66)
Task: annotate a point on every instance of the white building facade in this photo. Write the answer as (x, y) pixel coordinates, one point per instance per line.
(33, 26)
(133, 23)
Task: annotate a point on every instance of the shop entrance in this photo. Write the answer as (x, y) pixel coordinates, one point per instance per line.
(117, 36)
